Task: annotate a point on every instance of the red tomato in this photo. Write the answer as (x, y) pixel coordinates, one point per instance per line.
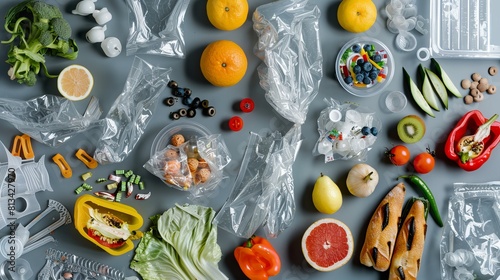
(424, 163)
(235, 123)
(247, 105)
(399, 155)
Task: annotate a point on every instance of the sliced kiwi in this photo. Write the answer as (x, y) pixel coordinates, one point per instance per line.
(411, 129)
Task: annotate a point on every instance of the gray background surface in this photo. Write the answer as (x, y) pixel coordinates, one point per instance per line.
(110, 75)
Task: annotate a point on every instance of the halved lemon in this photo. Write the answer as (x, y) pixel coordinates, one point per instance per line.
(75, 82)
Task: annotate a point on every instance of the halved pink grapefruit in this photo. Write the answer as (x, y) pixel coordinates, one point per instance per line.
(327, 244)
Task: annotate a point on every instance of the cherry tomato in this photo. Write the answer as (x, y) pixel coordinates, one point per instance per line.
(399, 155)
(424, 162)
(247, 105)
(235, 123)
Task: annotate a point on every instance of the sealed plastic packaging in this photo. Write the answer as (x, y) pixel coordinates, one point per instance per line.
(156, 27)
(49, 119)
(470, 243)
(131, 112)
(263, 193)
(290, 49)
(346, 131)
(195, 166)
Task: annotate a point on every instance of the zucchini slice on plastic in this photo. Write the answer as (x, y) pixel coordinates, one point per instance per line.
(446, 79)
(417, 95)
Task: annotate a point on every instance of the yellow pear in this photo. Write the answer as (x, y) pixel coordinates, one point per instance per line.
(326, 195)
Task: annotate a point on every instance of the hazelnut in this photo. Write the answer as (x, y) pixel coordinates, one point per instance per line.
(491, 89)
(202, 163)
(479, 97)
(482, 87)
(177, 140)
(474, 92)
(171, 154)
(474, 84)
(492, 71)
(465, 84)
(468, 99)
(202, 175)
(476, 77)
(172, 167)
(483, 81)
(193, 164)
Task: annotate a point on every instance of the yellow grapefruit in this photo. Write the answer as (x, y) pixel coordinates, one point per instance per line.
(356, 15)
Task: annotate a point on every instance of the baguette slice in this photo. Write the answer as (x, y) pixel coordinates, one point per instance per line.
(383, 230)
(409, 247)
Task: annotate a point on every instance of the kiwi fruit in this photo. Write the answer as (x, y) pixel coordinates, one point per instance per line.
(411, 129)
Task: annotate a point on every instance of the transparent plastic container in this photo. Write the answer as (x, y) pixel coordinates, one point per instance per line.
(187, 129)
(463, 28)
(349, 56)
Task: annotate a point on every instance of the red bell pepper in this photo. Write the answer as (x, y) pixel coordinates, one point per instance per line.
(473, 122)
(258, 259)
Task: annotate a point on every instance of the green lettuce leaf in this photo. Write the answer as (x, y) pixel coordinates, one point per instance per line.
(181, 244)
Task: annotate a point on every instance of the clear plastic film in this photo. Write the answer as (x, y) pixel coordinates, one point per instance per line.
(131, 112)
(289, 47)
(470, 243)
(346, 131)
(263, 193)
(195, 166)
(49, 119)
(156, 27)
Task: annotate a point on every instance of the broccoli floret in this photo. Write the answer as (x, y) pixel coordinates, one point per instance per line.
(61, 28)
(37, 29)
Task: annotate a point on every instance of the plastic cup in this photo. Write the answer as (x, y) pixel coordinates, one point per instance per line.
(395, 101)
(406, 41)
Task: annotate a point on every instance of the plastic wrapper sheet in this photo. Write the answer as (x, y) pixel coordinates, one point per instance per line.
(346, 131)
(131, 112)
(156, 27)
(289, 46)
(263, 193)
(49, 119)
(172, 166)
(470, 244)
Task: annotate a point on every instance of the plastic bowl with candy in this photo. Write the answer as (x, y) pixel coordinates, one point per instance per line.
(364, 66)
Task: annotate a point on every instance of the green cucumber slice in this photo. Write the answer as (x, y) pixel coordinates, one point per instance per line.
(439, 87)
(417, 95)
(446, 79)
(427, 90)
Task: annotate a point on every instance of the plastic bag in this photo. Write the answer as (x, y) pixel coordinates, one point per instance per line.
(346, 131)
(156, 27)
(263, 193)
(289, 46)
(131, 112)
(470, 243)
(195, 166)
(49, 119)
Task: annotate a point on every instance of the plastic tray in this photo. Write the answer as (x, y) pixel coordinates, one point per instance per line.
(462, 28)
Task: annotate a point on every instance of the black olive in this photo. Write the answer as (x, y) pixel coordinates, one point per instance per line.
(195, 104)
(169, 101)
(187, 92)
(210, 111)
(172, 84)
(175, 116)
(182, 112)
(191, 113)
(205, 103)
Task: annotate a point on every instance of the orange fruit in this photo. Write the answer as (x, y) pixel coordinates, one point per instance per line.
(327, 244)
(75, 82)
(223, 63)
(356, 15)
(227, 14)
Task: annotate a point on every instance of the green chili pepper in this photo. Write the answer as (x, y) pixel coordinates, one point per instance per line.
(422, 186)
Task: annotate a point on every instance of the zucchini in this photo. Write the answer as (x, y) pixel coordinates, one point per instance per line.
(439, 87)
(417, 95)
(446, 79)
(427, 90)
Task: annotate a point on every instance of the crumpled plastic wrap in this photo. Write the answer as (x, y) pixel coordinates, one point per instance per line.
(49, 119)
(289, 47)
(172, 166)
(340, 128)
(156, 27)
(131, 112)
(263, 193)
(470, 243)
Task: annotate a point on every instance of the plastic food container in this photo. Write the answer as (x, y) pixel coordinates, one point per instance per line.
(122, 211)
(187, 129)
(464, 28)
(364, 66)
